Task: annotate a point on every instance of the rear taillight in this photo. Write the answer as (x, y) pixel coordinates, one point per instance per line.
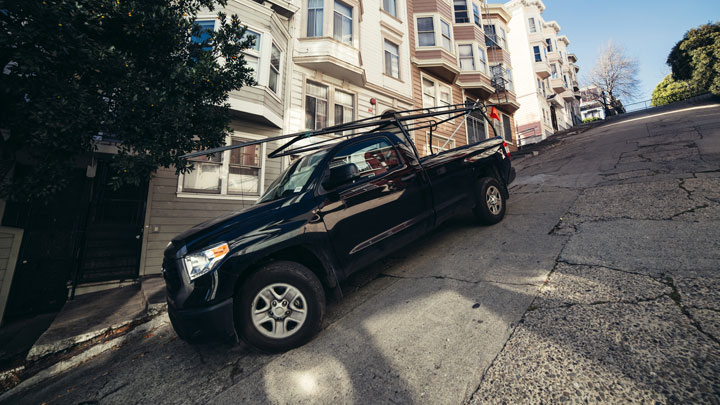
(507, 150)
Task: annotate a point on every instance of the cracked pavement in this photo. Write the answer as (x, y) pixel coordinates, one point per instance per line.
(600, 285)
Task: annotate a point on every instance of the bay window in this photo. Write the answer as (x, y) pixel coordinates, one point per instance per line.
(316, 106)
(533, 27)
(244, 169)
(536, 52)
(343, 22)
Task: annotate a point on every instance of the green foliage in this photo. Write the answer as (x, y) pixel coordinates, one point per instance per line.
(591, 119)
(696, 58)
(127, 69)
(670, 91)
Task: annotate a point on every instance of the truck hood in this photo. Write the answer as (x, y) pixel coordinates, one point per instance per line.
(228, 226)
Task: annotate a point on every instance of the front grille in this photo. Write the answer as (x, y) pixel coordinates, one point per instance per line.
(172, 277)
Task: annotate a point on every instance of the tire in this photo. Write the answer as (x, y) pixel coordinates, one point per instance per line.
(279, 307)
(490, 206)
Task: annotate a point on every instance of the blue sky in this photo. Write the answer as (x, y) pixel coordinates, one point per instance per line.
(647, 29)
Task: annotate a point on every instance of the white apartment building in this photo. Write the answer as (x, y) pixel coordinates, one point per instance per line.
(545, 77)
(350, 60)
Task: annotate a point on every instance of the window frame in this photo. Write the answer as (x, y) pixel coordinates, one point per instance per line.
(322, 19)
(449, 38)
(532, 26)
(395, 8)
(537, 54)
(387, 53)
(471, 57)
(224, 194)
(305, 103)
(457, 13)
(483, 60)
(335, 103)
(419, 33)
(277, 71)
(477, 16)
(339, 36)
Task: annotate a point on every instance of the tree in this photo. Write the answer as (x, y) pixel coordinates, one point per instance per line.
(615, 73)
(696, 58)
(670, 91)
(141, 72)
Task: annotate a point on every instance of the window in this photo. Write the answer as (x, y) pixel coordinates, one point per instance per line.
(244, 169)
(476, 15)
(372, 158)
(315, 106)
(494, 36)
(461, 11)
(467, 61)
(426, 31)
(483, 60)
(235, 171)
(390, 7)
(553, 69)
(315, 18)
(428, 93)
(205, 177)
(538, 55)
(392, 60)
(507, 129)
(440, 143)
(475, 125)
(344, 107)
(565, 80)
(548, 41)
(274, 68)
(343, 22)
(539, 85)
(206, 27)
(533, 27)
(252, 54)
(509, 78)
(445, 31)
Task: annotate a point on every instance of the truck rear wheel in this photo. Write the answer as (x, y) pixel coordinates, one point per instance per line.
(490, 205)
(279, 307)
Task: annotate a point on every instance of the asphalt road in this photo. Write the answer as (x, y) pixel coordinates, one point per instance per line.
(601, 284)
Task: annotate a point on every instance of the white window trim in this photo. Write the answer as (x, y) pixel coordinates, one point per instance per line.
(399, 46)
(437, 33)
(438, 84)
(279, 82)
(330, 99)
(226, 170)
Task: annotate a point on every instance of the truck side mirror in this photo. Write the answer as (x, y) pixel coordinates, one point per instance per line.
(340, 175)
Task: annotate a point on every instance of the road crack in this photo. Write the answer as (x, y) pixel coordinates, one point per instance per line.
(458, 280)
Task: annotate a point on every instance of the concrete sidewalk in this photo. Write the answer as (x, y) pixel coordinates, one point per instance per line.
(87, 321)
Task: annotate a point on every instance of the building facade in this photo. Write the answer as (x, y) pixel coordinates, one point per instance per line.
(547, 82)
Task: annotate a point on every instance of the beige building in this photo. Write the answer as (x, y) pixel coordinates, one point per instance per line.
(546, 82)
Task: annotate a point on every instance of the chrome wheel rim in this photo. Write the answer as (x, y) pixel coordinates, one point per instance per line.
(278, 311)
(493, 199)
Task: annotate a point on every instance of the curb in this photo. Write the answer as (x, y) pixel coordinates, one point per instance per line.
(35, 372)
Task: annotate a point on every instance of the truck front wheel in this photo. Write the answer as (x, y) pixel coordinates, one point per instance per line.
(490, 203)
(279, 307)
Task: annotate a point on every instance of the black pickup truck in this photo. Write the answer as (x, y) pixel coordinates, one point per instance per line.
(263, 273)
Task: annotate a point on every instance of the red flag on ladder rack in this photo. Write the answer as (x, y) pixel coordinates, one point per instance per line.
(494, 113)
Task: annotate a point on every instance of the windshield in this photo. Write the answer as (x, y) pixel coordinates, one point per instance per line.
(294, 179)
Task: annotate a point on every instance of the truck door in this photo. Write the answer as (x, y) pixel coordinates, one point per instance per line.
(387, 206)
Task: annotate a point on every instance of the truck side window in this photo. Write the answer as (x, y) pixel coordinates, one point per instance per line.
(373, 157)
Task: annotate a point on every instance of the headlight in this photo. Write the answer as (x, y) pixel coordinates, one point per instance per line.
(199, 263)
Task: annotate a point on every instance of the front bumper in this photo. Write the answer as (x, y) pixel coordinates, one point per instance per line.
(203, 324)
